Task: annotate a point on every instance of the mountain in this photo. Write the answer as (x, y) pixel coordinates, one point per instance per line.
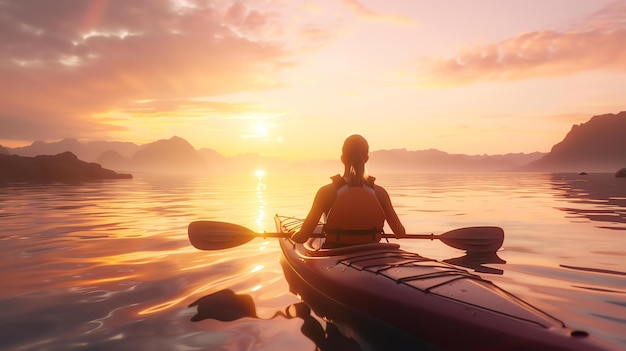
(212, 157)
(88, 151)
(598, 145)
(4, 150)
(174, 155)
(114, 160)
(53, 148)
(64, 167)
(438, 161)
(124, 148)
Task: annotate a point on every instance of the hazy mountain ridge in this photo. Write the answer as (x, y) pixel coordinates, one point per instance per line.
(435, 160)
(88, 151)
(597, 145)
(176, 155)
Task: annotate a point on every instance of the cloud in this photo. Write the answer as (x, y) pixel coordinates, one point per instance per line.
(362, 11)
(596, 43)
(314, 33)
(64, 60)
(321, 24)
(191, 108)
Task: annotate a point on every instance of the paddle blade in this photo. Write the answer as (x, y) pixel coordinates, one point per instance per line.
(474, 239)
(213, 235)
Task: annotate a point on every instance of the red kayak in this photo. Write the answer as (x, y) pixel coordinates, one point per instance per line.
(432, 304)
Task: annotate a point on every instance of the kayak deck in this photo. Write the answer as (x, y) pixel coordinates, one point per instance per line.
(432, 277)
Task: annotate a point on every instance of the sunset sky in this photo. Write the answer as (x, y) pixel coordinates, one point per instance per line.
(293, 78)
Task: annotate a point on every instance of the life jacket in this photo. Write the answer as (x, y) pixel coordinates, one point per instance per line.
(355, 216)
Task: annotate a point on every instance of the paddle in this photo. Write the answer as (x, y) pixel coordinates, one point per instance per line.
(212, 235)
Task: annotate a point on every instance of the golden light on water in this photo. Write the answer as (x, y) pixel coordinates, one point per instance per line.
(161, 307)
(260, 190)
(114, 253)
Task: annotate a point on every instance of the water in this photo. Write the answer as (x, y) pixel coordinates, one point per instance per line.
(108, 265)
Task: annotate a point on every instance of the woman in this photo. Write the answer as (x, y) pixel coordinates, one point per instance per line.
(355, 207)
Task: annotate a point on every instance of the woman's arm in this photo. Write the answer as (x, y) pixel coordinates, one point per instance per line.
(321, 204)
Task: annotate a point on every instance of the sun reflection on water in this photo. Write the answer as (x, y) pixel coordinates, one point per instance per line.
(261, 187)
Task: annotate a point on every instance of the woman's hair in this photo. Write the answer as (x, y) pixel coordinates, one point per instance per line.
(354, 155)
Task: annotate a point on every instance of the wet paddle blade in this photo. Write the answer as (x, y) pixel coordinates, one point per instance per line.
(474, 239)
(213, 235)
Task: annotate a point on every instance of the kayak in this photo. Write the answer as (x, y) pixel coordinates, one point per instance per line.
(432, 304)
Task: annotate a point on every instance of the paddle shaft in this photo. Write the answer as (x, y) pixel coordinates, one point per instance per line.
(319, 235)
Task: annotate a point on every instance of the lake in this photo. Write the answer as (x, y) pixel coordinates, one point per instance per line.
(108, 265)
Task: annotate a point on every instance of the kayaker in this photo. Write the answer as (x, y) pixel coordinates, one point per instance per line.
(355, 208)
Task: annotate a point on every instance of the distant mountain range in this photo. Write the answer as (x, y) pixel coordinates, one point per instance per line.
(438, 161)
(598, 145)
(87, 151)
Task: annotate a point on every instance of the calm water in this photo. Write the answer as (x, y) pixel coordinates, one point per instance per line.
(108, 265)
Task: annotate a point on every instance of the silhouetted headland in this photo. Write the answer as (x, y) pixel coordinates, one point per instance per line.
(598, 145)
(63, 167)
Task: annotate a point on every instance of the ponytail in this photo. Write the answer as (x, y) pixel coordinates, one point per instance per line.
(357, 174)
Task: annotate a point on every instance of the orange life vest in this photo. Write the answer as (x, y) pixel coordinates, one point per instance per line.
(355, 216)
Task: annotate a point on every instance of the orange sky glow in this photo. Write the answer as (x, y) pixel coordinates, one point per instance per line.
(293, 78)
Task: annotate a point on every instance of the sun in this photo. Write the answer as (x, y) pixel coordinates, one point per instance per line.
(260, 173)
(262, 131)
(258, 130)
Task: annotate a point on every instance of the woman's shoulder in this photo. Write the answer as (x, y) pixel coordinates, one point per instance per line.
(380, 190)
(327, 189)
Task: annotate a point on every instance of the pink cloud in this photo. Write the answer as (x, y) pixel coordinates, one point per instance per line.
(190, 108)
(313, 34)
(63, 60)
(598, 43)
(247, 19)
(363, 12)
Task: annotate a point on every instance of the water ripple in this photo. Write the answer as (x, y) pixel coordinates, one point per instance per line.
(109, 266)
